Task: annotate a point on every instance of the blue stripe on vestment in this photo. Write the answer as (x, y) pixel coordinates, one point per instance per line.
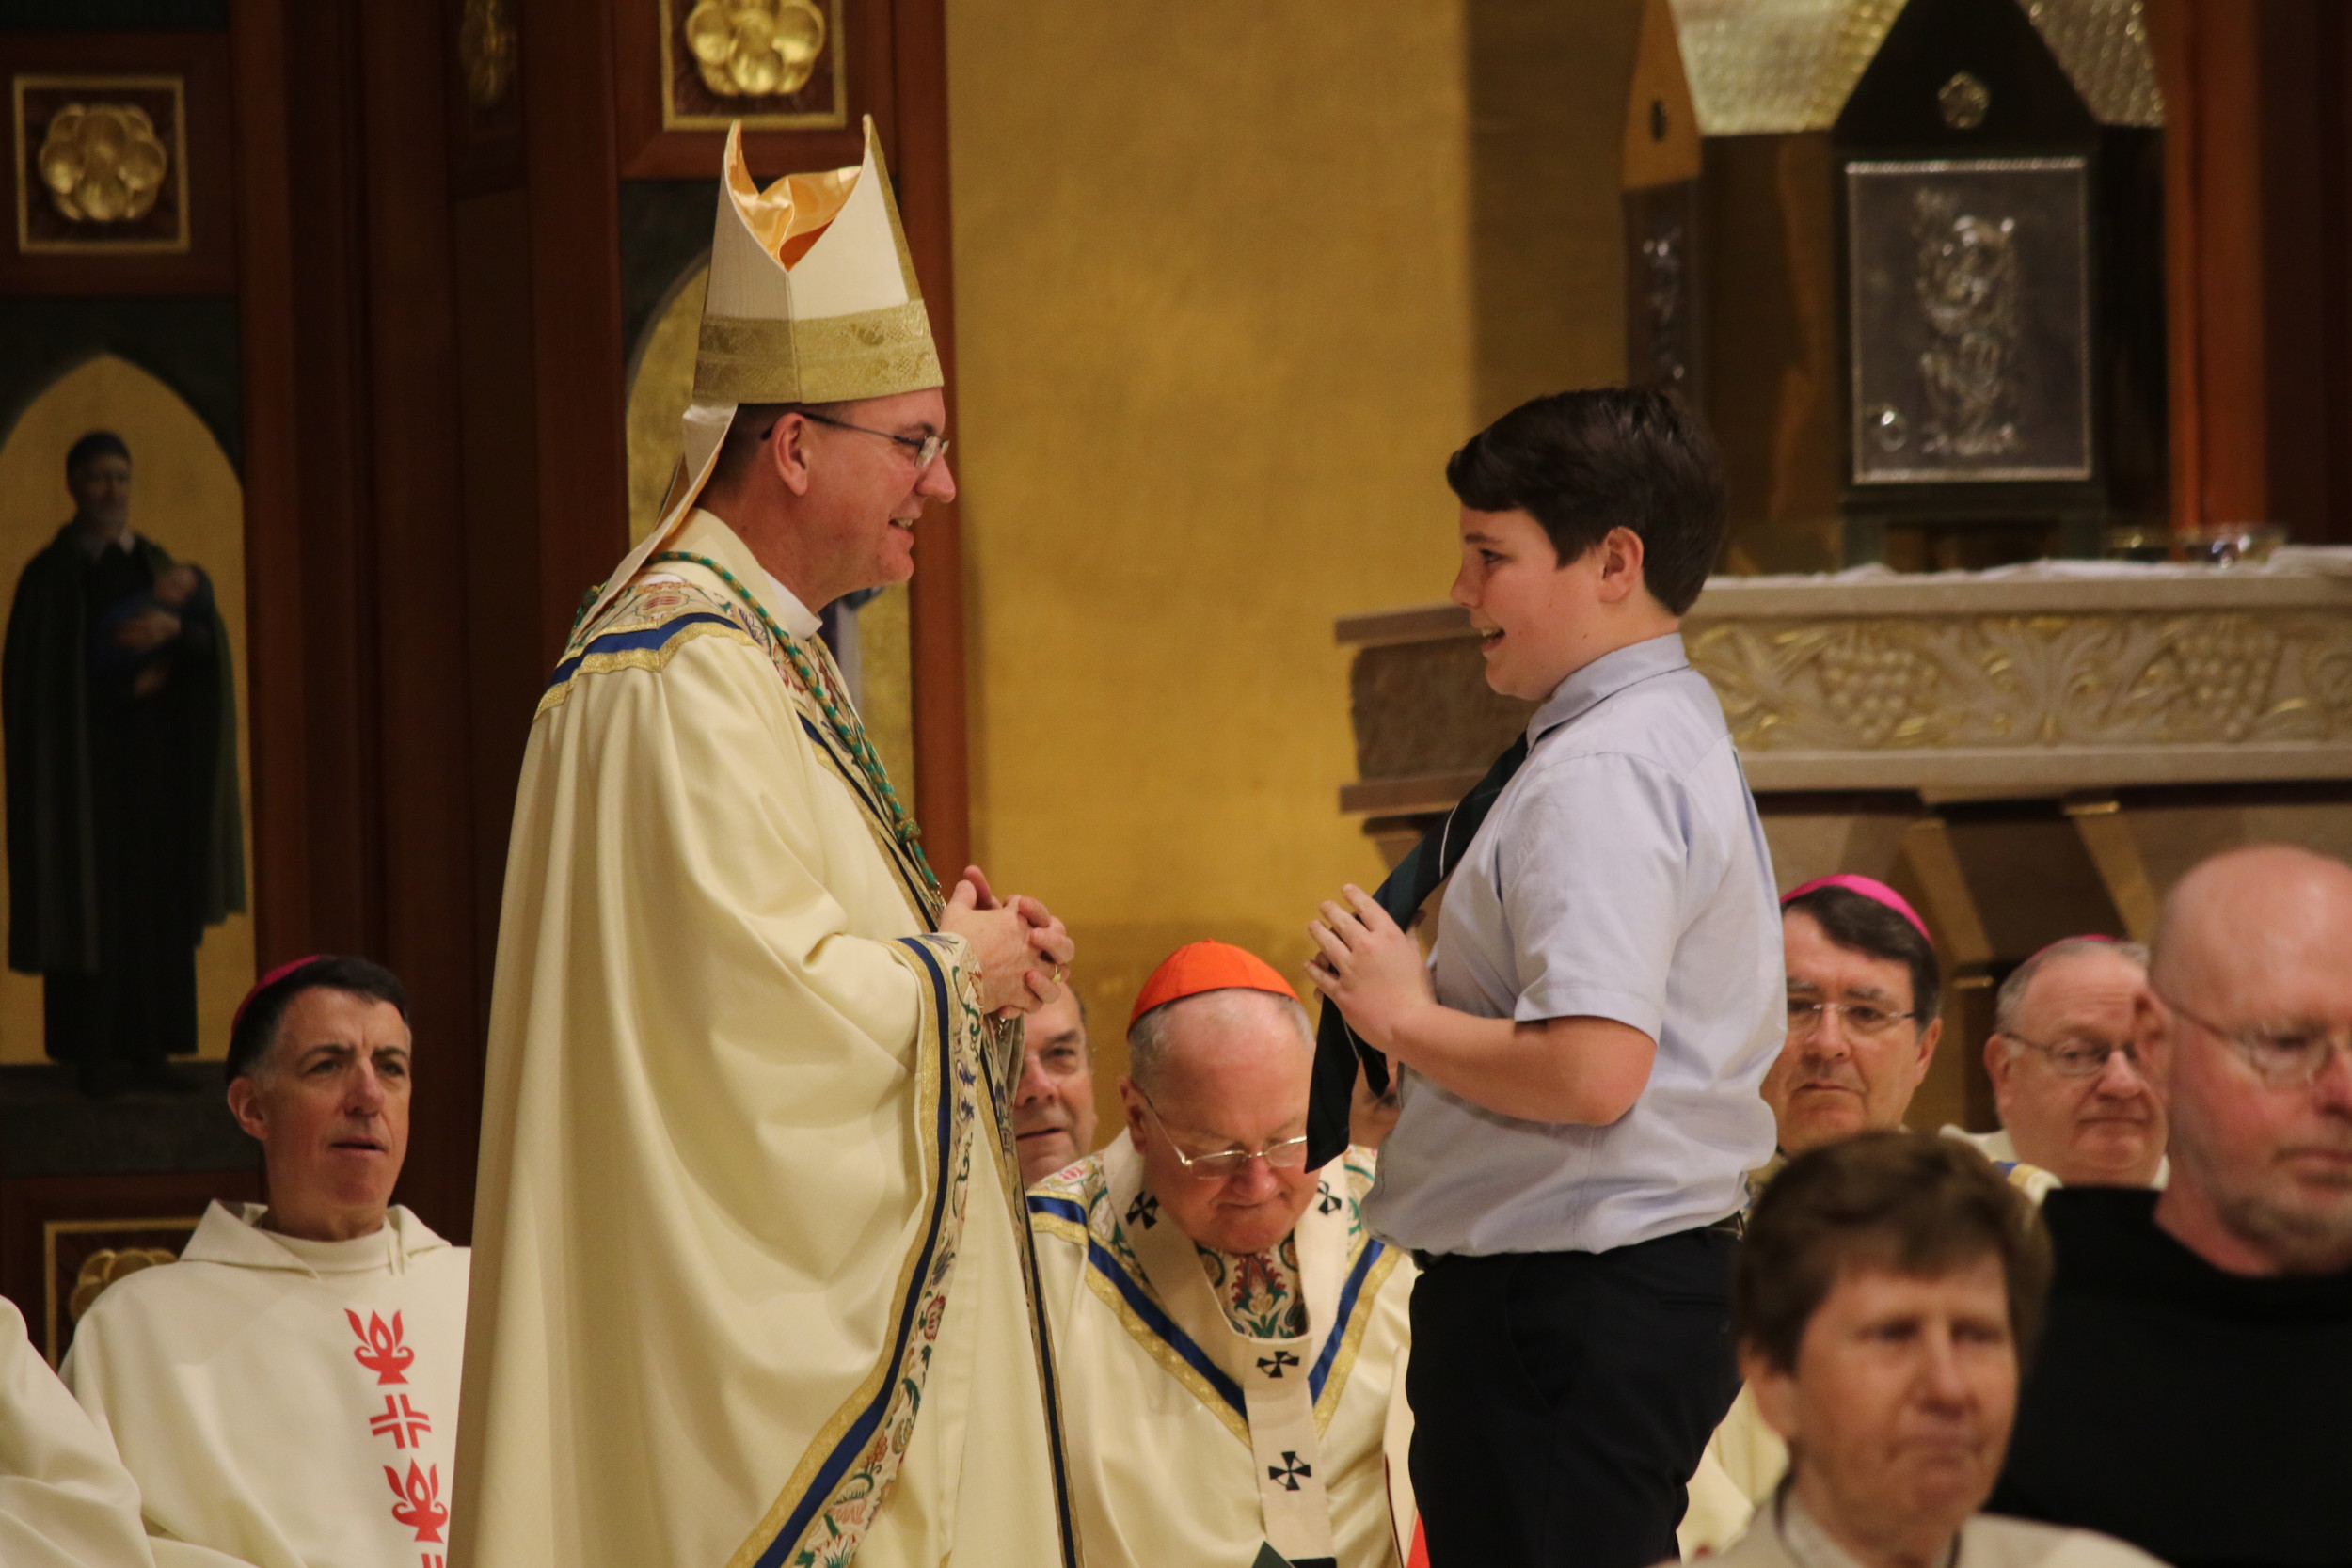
(1099, 1259)
(1183, 1343)
(1337, 1331)
(635, 640)
(861, 1429)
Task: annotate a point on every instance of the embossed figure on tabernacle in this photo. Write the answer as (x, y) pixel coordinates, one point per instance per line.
(124, 836)
(1967, 285)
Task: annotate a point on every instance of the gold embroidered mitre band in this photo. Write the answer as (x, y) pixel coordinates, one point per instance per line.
(873, 354)
(813, 296)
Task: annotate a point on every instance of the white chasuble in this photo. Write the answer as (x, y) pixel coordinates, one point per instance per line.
(65, 1500)
(291, 1403)
(751, 1273)
(1206, 1421)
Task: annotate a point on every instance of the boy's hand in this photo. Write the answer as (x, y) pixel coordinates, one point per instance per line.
(1370, 968)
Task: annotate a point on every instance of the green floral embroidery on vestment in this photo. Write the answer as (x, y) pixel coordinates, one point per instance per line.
(1259, 1291)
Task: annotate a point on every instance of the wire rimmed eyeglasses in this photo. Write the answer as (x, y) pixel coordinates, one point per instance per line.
(1290, 1154)
(2079, 1059)
(2283, 1055)
(1864, 1019)
(928, 450)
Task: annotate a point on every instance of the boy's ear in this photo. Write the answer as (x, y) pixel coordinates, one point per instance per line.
(1621, 556)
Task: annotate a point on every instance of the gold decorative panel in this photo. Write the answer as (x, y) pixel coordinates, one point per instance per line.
(2031, 681)
(775, 65)
(486, 51)
(2104, 46)
(1761, 66)
(100, 164)
(2034, 680)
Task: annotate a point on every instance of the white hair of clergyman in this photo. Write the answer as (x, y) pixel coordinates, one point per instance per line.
(1148, 1042)
(2009, 1003)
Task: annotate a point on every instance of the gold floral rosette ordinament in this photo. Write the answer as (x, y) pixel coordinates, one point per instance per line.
(756, 48)
(102, 162)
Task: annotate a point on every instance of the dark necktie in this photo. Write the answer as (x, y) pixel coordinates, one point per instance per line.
(1425, 865)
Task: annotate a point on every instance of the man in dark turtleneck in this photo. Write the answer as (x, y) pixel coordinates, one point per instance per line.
(124, 839)
(2193, 1394)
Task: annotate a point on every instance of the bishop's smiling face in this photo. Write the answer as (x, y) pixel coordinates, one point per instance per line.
(329, 1103)
(866, 497)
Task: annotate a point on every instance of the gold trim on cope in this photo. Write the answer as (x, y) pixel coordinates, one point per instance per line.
(871, 354)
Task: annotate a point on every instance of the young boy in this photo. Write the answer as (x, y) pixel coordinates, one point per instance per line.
(1583, 1053)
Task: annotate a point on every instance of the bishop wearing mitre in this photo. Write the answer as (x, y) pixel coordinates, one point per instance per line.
(750, 1262)
(1231, 1337)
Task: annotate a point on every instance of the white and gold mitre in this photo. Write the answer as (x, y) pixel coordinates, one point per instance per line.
(813, 299)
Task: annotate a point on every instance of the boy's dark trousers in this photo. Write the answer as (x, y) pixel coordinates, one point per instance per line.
(1562, 1400)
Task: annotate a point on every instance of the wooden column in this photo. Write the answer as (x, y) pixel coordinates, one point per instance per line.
(942, 746)
(2258, 187)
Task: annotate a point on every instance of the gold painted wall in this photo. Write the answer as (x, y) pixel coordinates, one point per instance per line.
(186, 496)
(1232, 282)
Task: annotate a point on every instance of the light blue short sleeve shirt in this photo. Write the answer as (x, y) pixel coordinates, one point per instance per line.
(1622, 874)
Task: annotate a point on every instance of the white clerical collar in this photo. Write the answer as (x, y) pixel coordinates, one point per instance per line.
(781, 602)
(235, 1236)
(786, 606)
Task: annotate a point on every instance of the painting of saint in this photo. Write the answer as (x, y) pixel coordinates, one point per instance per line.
(123, 822)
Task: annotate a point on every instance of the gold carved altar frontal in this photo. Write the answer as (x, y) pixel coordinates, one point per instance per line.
(1961, 684)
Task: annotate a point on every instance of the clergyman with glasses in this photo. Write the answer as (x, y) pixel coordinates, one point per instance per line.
(1204, 1286)
(2193, 1392)
(750, 1265)
(2067, 1077)
(1864, 987)
(1863, 990)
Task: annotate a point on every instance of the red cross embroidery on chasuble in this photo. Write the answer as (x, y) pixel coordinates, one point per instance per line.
(402, 1422)
(380, 1350)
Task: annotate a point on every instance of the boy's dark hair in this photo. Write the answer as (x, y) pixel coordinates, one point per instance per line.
(256, 1028)
(1912, 1202)
(1582, 463)
(1865, 926)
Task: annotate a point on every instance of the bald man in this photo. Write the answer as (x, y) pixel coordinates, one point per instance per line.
(2067, 1080)
(2193, 1394)
(1229, 1333)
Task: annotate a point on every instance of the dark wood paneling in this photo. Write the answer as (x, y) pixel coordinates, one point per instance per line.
(2259, 257)
(501, 550)
(577, 356)
(31, 1206)
(201, 61)
(942, 740)
(276, 678)
(426, 799)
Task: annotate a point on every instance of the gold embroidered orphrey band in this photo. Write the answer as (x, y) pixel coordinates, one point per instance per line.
(869, 354)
